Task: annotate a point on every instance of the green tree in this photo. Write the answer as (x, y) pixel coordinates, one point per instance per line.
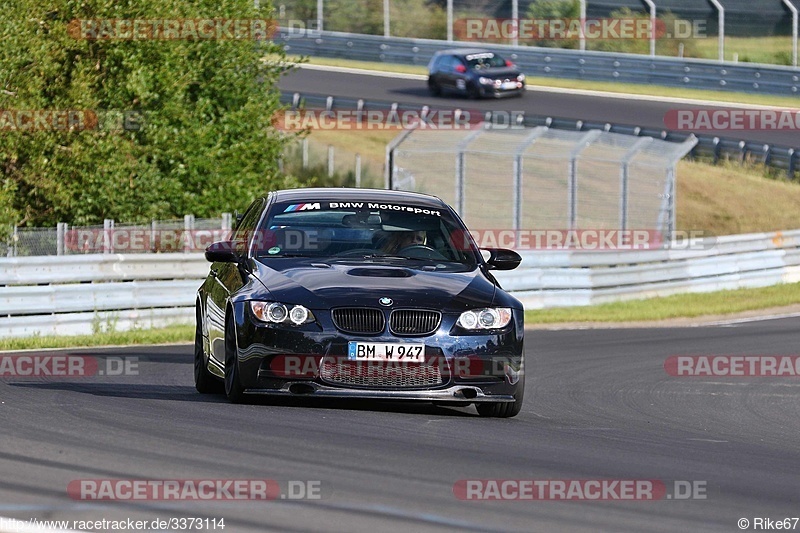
(205, 142)
(554, 10)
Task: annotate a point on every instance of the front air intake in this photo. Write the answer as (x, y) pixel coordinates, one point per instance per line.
(359, 320)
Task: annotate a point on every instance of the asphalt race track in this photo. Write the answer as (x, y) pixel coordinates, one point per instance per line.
(618, 110)
(599, 406)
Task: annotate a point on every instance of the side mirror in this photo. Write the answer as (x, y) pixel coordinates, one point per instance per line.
(221, 252)
(502, 259)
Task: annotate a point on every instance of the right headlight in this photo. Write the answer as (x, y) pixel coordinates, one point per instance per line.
(485, 81)
(278, 313)
(486, 318)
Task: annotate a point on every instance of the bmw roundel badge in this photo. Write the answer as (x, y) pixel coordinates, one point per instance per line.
(385, 301)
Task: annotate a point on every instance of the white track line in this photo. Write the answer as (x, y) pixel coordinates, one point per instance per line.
(556, 90)
(734, 321)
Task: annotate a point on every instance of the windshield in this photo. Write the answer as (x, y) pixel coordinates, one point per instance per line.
(364, 229)
(485, 60)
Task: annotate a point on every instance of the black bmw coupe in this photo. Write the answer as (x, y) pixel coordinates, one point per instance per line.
(359, 293)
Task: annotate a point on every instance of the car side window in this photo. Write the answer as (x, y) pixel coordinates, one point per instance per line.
(246, 228)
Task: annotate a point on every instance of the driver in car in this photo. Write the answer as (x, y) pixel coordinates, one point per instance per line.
(397, 240)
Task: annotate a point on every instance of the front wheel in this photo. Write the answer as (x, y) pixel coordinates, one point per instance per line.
(502, 409)
(434, 88)
(233, 384)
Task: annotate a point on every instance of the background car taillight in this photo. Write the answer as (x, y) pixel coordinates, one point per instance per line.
(461, 68)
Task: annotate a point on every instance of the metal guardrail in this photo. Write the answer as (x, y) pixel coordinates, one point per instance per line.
(558, 63)
(113, 291)
(84, 294)
(575, 278)
(782, 158)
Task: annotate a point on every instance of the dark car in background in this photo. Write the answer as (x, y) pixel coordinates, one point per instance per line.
(475, 73)
(358, 293)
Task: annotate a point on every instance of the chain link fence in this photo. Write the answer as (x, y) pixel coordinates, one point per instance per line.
(543, 179)
(159, 236)
(311, 158)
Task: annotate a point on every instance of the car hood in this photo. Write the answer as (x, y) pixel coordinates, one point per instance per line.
(324, 285)
(498, 72)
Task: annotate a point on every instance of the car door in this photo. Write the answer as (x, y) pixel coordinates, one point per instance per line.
(459, 73)
(449, 72)
(228, 278)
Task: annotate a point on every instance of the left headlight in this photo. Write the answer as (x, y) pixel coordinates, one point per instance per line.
(279, 313)
(487, 318)
(485, 81)
(521, 77)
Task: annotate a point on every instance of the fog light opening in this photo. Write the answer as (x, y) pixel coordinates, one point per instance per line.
(301, 388)
(469, 393)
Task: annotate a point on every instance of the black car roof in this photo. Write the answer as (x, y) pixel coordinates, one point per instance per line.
(348, 194)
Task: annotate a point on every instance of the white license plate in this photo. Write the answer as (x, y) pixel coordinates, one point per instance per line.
(385, 351)
(509, 85)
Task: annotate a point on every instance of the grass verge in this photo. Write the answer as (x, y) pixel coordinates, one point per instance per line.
(170, 334)
(677, 306)
(776, 49)
(611, 87)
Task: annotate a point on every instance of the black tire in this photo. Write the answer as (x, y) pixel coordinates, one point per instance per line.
(473, 93)
(434, 88)
(502, 409)
(233, 384)
(204, 381)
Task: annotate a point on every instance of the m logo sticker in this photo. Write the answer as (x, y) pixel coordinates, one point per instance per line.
(302, 207)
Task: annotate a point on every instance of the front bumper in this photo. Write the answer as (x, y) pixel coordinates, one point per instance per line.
(493, 361)
(456, 393)
(491, 91)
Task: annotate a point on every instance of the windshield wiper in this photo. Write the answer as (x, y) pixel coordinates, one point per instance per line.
(268, 256)
(390, 256)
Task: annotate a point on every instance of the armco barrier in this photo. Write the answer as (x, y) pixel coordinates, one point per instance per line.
(558, 63)
(83, 294)
(574, 278)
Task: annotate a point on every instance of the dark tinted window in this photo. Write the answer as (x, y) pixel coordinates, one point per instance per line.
(484, 60)
(246, 227)
(341, 229)
(455, 62)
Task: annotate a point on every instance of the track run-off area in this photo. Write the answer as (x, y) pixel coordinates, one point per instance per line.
(602, 410)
